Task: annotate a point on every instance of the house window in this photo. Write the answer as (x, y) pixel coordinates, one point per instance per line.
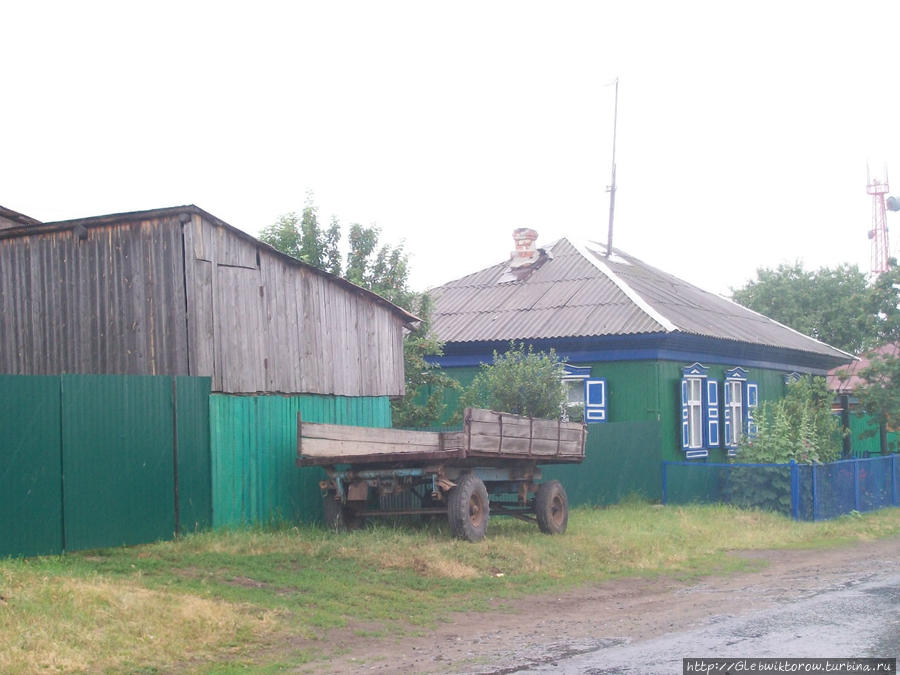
(585, 397)
(735, 406)
(574, 398)
(573, 381)
(741, 399)
(695, 412)
(699, 411)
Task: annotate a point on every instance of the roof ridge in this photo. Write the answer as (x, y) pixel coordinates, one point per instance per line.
(629, 292)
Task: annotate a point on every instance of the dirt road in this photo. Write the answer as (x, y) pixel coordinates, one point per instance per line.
(550, 632)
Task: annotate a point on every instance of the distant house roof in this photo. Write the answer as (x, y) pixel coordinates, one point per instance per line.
(10, 219)
(574, 290)
(846, 379)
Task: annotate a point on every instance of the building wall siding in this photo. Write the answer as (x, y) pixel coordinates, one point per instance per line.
(180, 295)
(254, 450)
(109, 301)
(623, 456)
(260, 324)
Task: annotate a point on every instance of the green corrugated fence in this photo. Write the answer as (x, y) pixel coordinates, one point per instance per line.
(30, 466)
(90, 460)
(621, 460)
(255, 478)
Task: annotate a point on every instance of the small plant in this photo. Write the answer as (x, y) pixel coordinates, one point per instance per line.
(519, 381)
(799, 427)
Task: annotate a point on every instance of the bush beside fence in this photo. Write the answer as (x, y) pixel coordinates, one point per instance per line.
(802, 491)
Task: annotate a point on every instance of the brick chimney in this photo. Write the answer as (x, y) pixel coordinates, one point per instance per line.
(526, 252)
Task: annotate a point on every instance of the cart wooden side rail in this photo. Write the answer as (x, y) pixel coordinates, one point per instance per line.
(485, 434)
(461, 473)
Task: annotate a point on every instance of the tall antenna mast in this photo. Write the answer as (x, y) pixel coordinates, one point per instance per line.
(879, 232)
(611, 188)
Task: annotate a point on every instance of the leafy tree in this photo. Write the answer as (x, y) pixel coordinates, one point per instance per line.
(884, 307)
(831, 305)
(423, 404)
(303, 238)
(284, 235)
(520, 381)
(879, 396)
(385, 271)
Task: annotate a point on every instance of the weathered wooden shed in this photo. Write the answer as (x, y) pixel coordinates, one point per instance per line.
(176, 291)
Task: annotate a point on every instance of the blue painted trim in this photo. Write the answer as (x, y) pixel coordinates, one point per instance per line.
(721, 464)
(696, 369)
(795, 491)
(576, 371)
(651, 346)
(464, 360)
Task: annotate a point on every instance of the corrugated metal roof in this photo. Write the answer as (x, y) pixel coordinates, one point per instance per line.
(570, 295)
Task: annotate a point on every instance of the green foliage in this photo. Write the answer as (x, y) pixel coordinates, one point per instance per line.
(423, 403)
(884, 307)
(799, 427)
(303, 238)
(880, 395)
(383, 270)
(520, 381)
(831, 305)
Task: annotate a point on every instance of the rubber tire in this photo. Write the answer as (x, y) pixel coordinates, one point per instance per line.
(551, 506)
(468, 508)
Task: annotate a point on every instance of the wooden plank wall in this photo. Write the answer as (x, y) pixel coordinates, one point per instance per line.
(258, 323)
(108, 299)
(156, 297)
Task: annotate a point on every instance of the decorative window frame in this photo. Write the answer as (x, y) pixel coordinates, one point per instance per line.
(708, 419)
(735, 429)
(595, 399)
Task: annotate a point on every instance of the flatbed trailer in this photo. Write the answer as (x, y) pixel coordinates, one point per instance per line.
(491, 466)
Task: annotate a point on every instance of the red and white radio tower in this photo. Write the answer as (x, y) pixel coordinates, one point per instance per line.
(878, 234)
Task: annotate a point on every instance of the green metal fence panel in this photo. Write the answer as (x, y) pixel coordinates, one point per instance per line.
(253, 440)
(864, 437)
(622, 459)
(30, 466)
(194, 484)
(118, 460)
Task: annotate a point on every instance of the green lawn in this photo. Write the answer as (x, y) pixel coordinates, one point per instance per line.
(225, 600)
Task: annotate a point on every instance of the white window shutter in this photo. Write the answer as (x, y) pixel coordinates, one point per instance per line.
(729, 433)
(595, 400)
(752, 403)
(685, 425)
(712, 413)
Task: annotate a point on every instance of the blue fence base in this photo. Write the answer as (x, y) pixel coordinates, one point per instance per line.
(801, 491)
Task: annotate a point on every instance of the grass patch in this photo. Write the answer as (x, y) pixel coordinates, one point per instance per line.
(232, 600)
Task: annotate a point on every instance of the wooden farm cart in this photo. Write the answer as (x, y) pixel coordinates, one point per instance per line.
(492, 465)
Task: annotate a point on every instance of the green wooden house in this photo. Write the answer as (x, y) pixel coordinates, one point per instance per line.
(662, 370)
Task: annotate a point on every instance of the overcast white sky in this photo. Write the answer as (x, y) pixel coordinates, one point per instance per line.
(743, 137)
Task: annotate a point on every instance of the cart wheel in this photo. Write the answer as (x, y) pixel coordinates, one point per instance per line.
(551, 506)
(468, 508)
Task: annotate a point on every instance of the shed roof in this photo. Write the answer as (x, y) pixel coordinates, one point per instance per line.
(30, 227)
(576, 291)
(10, 218)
